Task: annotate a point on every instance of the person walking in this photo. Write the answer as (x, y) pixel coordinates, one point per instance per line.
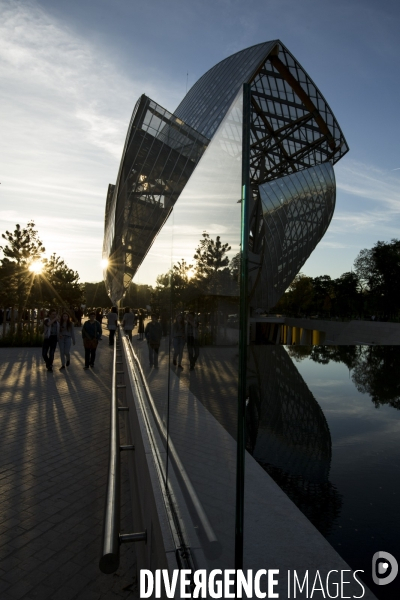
(66, 336)
(192, 338)
(78, 315)
(140, 324)
(99, 315)
(128, 322)
(178, 340)
(112, 322)
(91, 335)
(153, 334)
(51, 333)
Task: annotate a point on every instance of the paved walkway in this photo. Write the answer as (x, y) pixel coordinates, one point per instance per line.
(54, 431)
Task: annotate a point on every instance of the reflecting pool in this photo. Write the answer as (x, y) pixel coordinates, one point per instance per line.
(324, 422)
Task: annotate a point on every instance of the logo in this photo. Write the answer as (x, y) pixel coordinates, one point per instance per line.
(384, 568)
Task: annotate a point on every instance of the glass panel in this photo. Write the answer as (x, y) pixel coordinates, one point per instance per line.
(291, 218)
(160, 155)
(194, 275)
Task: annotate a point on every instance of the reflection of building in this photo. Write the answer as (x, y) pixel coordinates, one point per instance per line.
(288, 435)
(159, 156)
(295, 140)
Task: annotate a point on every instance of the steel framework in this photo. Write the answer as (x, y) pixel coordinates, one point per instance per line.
(293, 130)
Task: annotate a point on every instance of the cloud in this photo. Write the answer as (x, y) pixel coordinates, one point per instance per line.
(372, 183)
(65, 112)
(53, 72)
(326, 244)
(376, 210)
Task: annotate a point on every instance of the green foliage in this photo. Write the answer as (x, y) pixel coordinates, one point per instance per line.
(22, 248)
(60, 283)
(55, 285)
(210, 257)
(96, 295)
(379, 271)
(299, 296)
(374, 368)
(372, 288)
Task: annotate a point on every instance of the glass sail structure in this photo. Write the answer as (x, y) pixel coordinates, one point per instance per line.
(215, 209)
(160, 154)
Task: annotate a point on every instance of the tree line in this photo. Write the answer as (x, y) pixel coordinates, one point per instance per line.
(374, 369)
(370, 289)
(186, 286)
(29, 282)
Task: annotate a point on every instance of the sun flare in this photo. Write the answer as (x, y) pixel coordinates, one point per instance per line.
(36, 267)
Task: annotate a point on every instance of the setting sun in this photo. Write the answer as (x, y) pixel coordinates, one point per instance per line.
(36, 267)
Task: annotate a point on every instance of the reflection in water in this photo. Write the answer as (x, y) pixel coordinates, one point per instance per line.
(288, 435)
(374, 368)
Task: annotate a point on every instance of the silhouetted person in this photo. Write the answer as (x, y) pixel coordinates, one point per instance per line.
(128, 322)
(192, 339)
(51, 333)
(66, 336)
(79, 315)
(178, 340)
(112, 322)
(140, 324)
(153, 333)
(91, 335)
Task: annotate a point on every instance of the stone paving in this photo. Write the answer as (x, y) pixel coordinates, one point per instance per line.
(54, 432)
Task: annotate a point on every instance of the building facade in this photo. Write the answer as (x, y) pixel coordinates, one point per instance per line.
(215, 209)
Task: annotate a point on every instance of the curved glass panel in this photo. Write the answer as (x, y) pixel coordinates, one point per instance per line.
(192, 374)
(296, 212)
(206, 103)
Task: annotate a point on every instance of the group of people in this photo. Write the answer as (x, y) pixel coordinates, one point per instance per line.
(60, 329)
(183, 332)
(57, 330)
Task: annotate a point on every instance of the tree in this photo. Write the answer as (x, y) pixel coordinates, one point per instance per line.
(138, 296)
(61, 284)
(322, 299)
(378, 270)
(96, 294)
(347, 298)
(55, 284)
(299, 296)
(22, 249)
(374, 368)
(212, 273)
(210, 256)
(376, 374)
(180, 284)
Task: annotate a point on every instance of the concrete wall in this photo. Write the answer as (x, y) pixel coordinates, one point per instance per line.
(319, 331)
(349, 332)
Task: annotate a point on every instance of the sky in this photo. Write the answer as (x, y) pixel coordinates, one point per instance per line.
(71, 72)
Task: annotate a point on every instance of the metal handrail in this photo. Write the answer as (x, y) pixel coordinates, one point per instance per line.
(205, 523)
(109, 561)
(112, 538)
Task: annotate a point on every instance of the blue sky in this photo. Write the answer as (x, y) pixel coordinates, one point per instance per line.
(71, 72)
